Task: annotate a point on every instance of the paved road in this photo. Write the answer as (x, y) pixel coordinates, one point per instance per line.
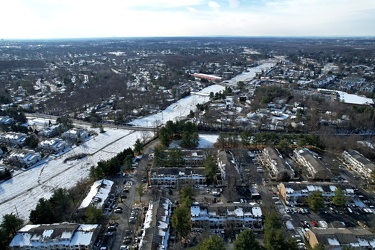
(132, 197)
(88, 124)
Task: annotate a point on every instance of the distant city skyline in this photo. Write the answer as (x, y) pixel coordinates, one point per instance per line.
(44, 19)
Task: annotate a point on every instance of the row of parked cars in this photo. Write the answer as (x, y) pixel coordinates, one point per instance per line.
(295, 210)
(134, 215)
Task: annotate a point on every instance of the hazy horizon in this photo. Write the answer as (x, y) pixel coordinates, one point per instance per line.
(82, 19)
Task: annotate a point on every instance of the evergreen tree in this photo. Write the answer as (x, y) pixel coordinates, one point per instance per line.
(9, 226)
(93, 215)
(214, 242)
(138, 146)
(181, 221)
(43, 213)
(210, 167)
(339, 199)
(246, 241)
(186, 196)
(315, 201)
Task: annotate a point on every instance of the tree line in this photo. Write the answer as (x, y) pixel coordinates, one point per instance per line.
(282, 141)
(187, 132)
(113, 165)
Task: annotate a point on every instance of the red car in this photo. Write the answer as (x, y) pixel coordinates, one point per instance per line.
(314, 223)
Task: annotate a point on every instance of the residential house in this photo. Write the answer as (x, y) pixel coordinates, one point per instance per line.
(358, 163)
(6, 120)
(75, 134)
(69, 236)
(24, 158)
(52, 146)
(315, 170)
(279, 169)
(13, 139)
(193, 158)
(50, 131)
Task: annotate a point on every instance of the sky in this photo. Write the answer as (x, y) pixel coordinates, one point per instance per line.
(43, 19)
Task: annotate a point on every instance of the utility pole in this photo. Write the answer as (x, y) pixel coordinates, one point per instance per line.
(18, 216)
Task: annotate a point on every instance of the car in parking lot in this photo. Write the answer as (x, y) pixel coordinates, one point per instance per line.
(132, 220)
(111, 228)
(127, 240)
(314, 223)
(305, 224)
(118, 210)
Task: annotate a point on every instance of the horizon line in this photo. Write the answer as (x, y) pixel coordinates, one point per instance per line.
(208, 36)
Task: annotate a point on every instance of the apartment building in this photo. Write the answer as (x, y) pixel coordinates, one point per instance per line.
(230, 218)
(279, 169)
(68, 236)
(315, 170)
(358, 163)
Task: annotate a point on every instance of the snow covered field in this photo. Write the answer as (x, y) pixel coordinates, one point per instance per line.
(251, 73)
(178, 109)
(21, 193)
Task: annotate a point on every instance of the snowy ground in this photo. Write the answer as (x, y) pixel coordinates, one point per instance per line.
(178, 109)
(251, 73)
(207, 140)
(20, 194)
(354, 99)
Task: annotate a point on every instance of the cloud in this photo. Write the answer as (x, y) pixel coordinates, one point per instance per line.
(234, 3)
(192, 10)
(98, 18)
(214, 5)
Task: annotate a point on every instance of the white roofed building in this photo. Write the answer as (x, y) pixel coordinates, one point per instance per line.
(98, 194)
(56, 236)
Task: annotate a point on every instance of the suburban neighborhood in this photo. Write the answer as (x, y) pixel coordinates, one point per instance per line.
(167, 143)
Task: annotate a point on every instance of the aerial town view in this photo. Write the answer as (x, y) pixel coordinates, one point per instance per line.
(202, 125)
